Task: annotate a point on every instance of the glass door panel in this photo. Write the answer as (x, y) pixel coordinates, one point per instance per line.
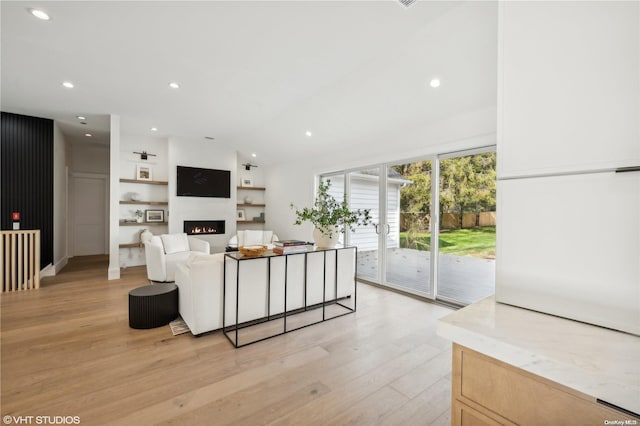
(407, 228)
(467, 228)
(364, 193)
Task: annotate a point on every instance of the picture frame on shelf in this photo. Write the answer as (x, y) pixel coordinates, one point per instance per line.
(154, 216)
(144, 172)
(240, 215)
(247, 182)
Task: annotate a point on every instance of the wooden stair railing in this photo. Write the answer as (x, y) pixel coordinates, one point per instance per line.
(19, 260)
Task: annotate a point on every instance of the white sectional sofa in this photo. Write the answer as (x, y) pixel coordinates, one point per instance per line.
(200, 286)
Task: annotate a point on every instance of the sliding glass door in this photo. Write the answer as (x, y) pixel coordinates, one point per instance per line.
(407, 229)
(467, 232)
(446, 252)
(363, 188)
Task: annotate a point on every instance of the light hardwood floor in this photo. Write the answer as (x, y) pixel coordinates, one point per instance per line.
(67, 350)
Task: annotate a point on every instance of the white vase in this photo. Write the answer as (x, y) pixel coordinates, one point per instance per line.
(323, 241)
(145, 236)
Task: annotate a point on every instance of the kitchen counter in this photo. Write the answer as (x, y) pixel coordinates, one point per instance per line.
(599, 362)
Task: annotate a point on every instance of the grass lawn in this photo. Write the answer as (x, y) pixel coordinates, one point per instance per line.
(476, 242)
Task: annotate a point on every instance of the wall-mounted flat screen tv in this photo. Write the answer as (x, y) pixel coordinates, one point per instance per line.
(196, 182)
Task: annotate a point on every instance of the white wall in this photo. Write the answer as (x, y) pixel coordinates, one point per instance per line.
(211, 155)
(128, 162)
(114, 196)
(295, 182)
(89, 158)
(60, 195)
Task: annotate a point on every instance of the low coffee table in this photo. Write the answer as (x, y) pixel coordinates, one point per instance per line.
(153, 305)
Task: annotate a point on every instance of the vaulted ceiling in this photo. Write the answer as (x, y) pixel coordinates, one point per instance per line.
(254, 75)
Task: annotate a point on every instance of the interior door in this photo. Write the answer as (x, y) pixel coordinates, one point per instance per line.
(89, 217)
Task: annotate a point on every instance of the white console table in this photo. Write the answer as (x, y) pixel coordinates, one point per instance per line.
(270, 295)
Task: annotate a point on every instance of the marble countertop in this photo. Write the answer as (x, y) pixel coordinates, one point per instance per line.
(599, 362)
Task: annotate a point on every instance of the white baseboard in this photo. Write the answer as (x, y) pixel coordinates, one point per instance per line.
(61, 264)
(114, 273)
(51, 270)
(48, 271)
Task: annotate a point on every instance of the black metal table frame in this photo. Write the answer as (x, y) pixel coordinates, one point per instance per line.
(235, 327)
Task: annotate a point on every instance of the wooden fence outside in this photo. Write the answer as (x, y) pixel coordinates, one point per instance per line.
(20, 260)
(449, 220)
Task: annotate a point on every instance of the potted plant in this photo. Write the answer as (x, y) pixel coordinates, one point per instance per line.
(330, 217)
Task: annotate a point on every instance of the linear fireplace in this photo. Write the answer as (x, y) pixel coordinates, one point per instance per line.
(203, 227)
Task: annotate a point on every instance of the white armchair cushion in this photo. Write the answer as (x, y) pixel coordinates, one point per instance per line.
(174, 243)
(253, 238)
(267, 237)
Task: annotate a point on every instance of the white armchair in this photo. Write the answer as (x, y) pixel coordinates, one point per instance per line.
(200, 287)
(252, 237)
(164, 252)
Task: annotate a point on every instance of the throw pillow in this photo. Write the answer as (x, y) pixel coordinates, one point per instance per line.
(174, 243)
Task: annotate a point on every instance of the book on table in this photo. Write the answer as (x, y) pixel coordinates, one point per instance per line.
(289, 243)
(290, 249)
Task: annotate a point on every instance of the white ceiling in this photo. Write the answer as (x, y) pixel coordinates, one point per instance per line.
(254, 75)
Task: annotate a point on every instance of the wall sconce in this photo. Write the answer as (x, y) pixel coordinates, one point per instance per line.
(144, 154)
(248, 166)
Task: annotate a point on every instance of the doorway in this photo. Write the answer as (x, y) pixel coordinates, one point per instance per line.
(88, 218)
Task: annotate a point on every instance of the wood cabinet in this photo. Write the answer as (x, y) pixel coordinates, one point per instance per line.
(486, 391)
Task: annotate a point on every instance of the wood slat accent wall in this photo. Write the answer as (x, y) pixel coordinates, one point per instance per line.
(27, 176)
(19, 260)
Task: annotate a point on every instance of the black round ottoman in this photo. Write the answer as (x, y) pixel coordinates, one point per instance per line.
(153, 305)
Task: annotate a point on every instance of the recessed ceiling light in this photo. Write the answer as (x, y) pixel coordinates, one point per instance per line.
(154, 129)
(435, 83)
(209, 138)
(80, 117)
(308, 133)
(88, 135)
(174, 85)
(40, 14)
(254, 155)
(67, 84)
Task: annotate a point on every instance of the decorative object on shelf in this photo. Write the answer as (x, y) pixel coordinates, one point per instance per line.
(144, 154)
(257, 250)
(248, 200)
(331, 217)
(135, 196)
(139, 214)
(240, 215)
(145, 235)
(143, 172)
(154, 215)
(247, 182)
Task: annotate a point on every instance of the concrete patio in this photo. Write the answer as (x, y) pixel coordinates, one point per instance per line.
(464, 279)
